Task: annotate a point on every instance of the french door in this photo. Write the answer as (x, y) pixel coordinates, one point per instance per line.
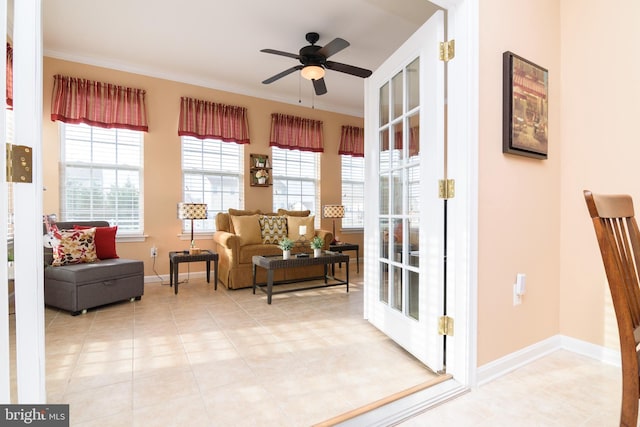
(404, 221)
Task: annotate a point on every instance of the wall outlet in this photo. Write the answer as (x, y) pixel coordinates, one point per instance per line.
(517, 298)
(154, 252)
(519, 288)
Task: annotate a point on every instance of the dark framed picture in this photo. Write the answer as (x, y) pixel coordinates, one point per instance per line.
(525, 107)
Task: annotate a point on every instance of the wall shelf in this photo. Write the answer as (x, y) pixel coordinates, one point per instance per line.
(258, 164)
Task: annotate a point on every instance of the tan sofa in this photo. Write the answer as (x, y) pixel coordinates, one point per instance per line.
(237, 240)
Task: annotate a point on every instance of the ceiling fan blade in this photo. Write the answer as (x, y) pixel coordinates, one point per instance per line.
(349, 69)
(320, 86)
(282, 74)
(334, 46)
(281, 53)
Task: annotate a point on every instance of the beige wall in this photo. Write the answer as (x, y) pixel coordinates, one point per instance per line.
(532, 214)
(519, 198)
(162, 165)
(600, 149)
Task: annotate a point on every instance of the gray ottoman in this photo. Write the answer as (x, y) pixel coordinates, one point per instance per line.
(78, 287)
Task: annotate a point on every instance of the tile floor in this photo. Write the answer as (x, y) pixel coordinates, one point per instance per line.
(222, 358)
(563, 389)
(226, 358)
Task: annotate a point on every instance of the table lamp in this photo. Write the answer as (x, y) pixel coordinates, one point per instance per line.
(333, 212)
(192, 211)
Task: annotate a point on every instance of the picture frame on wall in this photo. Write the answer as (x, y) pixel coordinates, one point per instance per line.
(525, 107)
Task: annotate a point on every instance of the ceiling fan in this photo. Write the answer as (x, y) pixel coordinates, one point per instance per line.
(313, 60)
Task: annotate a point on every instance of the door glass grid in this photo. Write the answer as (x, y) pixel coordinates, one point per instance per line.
(399, 148)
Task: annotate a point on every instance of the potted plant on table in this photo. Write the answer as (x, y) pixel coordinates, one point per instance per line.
(316, 245)
(262, 176)
(286, 245)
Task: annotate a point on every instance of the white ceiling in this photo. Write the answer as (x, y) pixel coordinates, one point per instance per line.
(216, 43)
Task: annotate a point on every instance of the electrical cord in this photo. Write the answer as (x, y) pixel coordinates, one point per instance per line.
(153, 267)
(162, 280)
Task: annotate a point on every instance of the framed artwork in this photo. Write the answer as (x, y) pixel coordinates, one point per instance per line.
(525, 107)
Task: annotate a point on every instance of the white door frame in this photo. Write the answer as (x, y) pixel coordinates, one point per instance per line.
(462, 152)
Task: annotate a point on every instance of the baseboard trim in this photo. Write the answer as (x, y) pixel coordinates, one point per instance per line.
(597, 352)
(515, 360)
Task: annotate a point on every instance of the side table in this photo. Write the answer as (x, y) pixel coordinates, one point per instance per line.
(339, 247)
(176, 257)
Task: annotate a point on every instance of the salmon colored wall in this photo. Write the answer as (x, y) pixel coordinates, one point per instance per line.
(600, 150)
(519, 198)
(162, 165)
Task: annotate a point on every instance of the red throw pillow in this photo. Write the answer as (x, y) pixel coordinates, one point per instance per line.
(105, 241)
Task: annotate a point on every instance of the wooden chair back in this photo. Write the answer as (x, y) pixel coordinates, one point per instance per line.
(619, 240)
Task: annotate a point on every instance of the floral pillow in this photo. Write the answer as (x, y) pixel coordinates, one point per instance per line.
(74, 247)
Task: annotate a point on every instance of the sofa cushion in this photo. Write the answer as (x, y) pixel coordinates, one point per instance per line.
(272, 228)
(240, 212)
(105, 241)
(285, 212)
(294, 223)
(247, 228)
(108, 269)
(74, 247)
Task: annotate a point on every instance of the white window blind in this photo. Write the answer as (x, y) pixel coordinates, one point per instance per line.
(102, 176)
(212, 174)
(295, 180)
(353, 191)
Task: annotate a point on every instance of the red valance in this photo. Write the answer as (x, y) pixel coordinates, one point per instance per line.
(9, 75)
(209, 120)
(352, 141)
(99, 104)
(296, 133)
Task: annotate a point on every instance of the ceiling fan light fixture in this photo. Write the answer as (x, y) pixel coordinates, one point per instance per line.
(312, 72)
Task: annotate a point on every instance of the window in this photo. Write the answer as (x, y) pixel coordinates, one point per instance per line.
(9, 121)
(102, 176)
(211, 174)
(353, 191)
(295, 180)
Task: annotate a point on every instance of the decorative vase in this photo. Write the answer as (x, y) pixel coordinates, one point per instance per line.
(286, 254)
(317, 252)
(262, 180)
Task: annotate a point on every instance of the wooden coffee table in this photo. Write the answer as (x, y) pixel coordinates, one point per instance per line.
(271, 263)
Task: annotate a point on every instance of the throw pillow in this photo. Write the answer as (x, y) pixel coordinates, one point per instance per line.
(240, 212)
(273, 228)
(294, 223)
(285, 212)
(247, 228)
(105, 241)
(74, 247)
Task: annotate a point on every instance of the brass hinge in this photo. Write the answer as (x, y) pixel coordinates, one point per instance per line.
(19, 163)
(447, 188)
(445, 326)
(447, 50)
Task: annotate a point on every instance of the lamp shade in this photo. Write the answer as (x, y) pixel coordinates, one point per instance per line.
(192, 211)
(312, 72)
(333, 211)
